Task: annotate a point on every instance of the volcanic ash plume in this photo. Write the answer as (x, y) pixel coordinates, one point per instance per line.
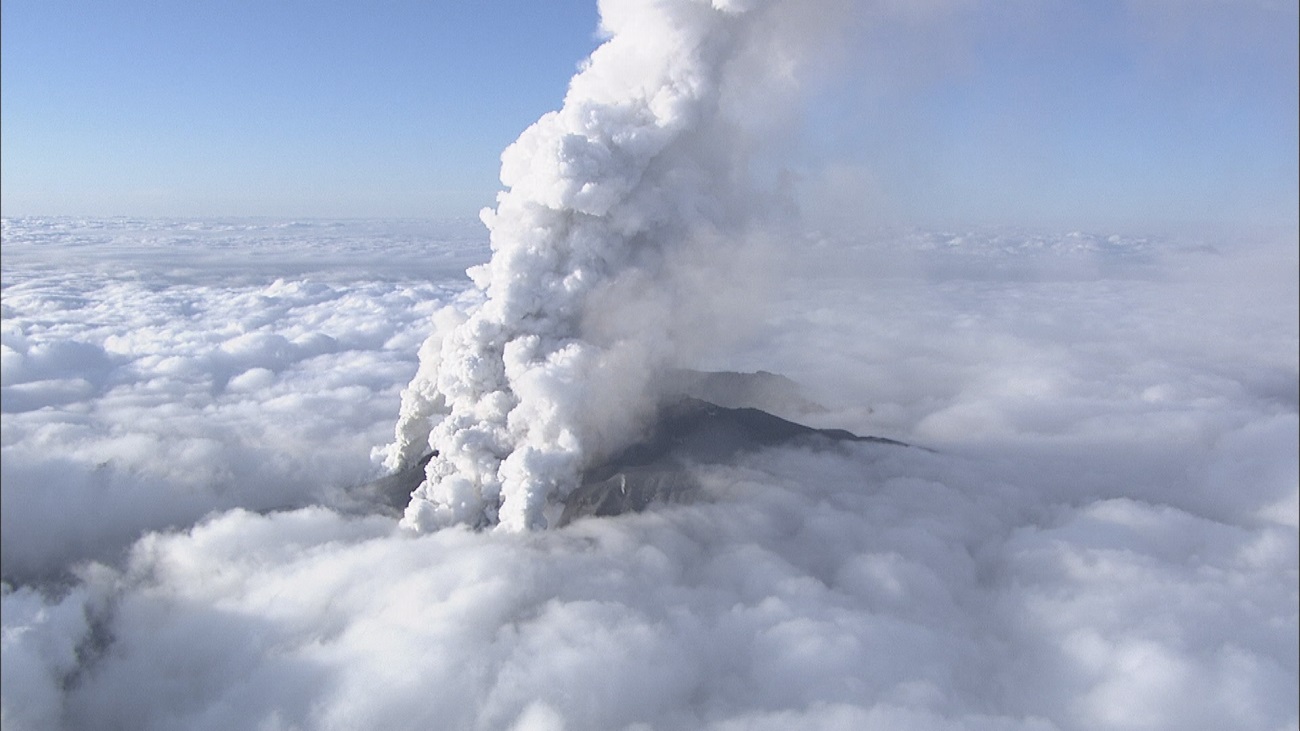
(551, 365)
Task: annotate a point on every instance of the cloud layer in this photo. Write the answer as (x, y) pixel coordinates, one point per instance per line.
(1104, 538)
(146, 385)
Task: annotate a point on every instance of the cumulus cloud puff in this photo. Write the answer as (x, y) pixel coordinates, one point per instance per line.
(1100, 533)
(139, 396)
(1105, 536)
(608, 201)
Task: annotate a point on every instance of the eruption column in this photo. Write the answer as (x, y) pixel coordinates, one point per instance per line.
(514, 392)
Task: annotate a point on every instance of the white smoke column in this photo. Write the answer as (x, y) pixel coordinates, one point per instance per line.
(515, 394)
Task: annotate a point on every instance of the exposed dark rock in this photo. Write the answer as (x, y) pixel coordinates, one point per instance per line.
(770, 392)
(629, 490)
(699, 431)
(390, 493)
(688, 431)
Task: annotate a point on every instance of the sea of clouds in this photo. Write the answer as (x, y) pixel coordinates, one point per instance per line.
(1101, 535)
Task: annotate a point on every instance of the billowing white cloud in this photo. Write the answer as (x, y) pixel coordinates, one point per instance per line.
(875, 586)
(1105, 538)
(643, 170)
(1101, 535)
(139, 394)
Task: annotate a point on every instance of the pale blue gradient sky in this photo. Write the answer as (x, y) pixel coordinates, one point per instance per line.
(1048, 112)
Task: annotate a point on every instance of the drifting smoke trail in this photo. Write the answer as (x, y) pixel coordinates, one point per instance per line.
(518, 392)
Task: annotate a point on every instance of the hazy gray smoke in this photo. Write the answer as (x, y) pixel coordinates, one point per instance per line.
(553, 362)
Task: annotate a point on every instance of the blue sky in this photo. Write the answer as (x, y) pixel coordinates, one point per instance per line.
(1062, 113)
(275, 108)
